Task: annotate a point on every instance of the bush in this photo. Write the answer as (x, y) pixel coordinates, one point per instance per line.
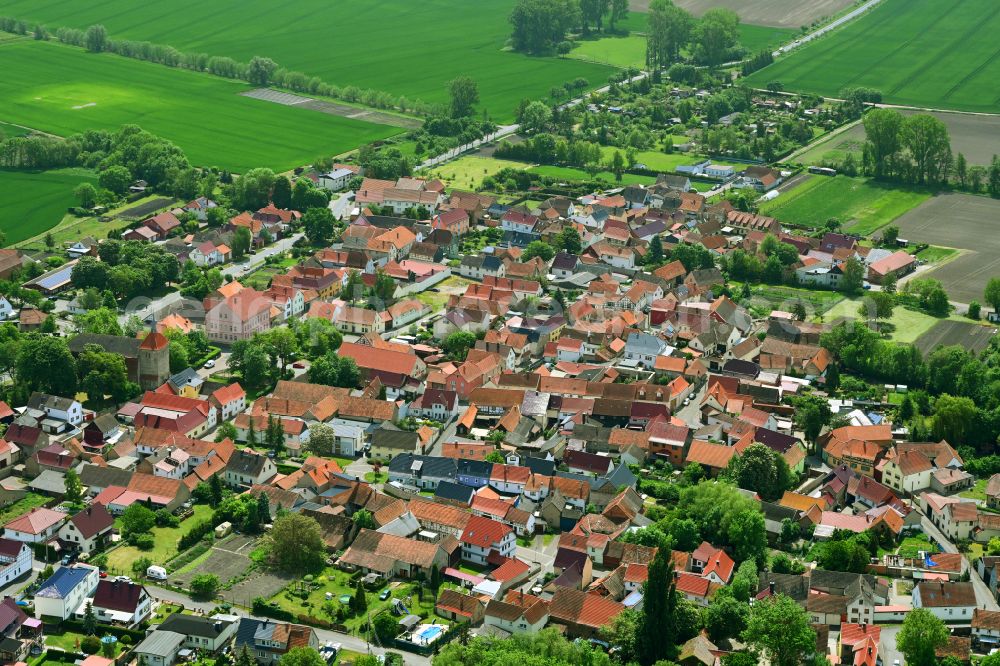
(144, 541)
(90, 645)
(204, 586)
(196, 533)
(564, 47)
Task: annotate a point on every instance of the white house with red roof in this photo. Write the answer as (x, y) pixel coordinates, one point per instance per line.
(483, 536)
(229, 400)
(37, 526)
(712, 563)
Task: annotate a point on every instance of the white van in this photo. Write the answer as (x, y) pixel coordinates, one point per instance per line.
(156, 573)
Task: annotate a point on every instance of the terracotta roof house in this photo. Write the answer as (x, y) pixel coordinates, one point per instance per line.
(583, 614)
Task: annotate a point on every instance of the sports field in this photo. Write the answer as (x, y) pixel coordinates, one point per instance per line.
(203, 114)
(924, 53)
(35, 201)
(861, 205)
(401, 47)
(975, 136)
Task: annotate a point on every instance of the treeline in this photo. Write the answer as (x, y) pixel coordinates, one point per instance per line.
(258, 71)
(953, 394)
(550, 149)
(917, 149)
(759, 61)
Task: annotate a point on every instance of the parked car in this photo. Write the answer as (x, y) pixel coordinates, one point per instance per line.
(386, 593)
(210, 363)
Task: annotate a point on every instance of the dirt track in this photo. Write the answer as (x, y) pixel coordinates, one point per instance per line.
(777, 13)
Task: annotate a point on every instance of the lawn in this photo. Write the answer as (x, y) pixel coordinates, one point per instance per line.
(8, 130)
(393, 45)
(623, 52)
(22, 506)
(861, 205)
(203, 114)
(905, 326)
(777, 297)
(36, 201)
(933, 254)
(338, 583)
(976, 492)
(120, 559)
(468, 172)
(912, 545)
(923, 53)
(571, 174)
(657, 160)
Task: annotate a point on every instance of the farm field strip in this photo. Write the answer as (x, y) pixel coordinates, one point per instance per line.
(974, 337)
(862, 206)
(422, 46)
(775, 13)
(922, 53)
(204, 115)
(961, 221)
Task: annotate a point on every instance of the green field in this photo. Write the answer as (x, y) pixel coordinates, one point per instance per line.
(393, 45)
(35, 201)
(861, 205)
(905, 325)
(8, 130)
(468, 172)
(923, 53)
(757, 38)
(202, 114)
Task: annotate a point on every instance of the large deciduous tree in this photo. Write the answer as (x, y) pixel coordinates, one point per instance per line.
(295, 544)
(926, 139)
(922, 634)
(780, 630)
(716, 34)
(668, 31)
(882, 144)
(464, 94)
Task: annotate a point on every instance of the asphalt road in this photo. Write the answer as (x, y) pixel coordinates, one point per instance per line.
(984, 598)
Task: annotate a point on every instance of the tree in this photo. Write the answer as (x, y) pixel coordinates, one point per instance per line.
(137, 519)
(216, 490)
(260, 70)
(274, 436)
(101, 321)
(668, 31)
(435, 581)
(90, 645)
(241, 241)
(726, 617)
(204, 586)
(715, 35)
(926, 138)
(922, 634)
(954, 417)
(569, 240)
(654, 257)
(657, 628)
(877, 305)
(281, 192)
(495, 457)
(458, 344)
(464, 95)
(992, 294)
(762, 470)
(386, 627)
(295, 544)
(540, 24)
(252, 190)
(748, 536)
(45, 364)
(538, 249)
(115, 179)
(364, 520)
(780, 629)
(882, 144)
(86, 194)
(96, 38)
(89, 620)
(283, 343)
(140, 566)
(74, 488)
(322, 440)
(263, 509)
(811, 414)
(535, 117)
(359, 602)
(621, 634)
(318, 223)
(854, 273)
(618, 165)
(333, 370)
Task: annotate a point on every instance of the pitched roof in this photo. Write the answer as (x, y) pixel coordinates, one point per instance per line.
(584, 609)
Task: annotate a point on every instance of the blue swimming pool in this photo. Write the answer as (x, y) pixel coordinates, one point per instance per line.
(430, 633)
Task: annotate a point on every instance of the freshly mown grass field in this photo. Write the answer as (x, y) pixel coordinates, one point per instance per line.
(202, 114)
(571, 174)
(924, 53)
(35, 201)
(861, 205)
(468, 172)
(405, 48)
